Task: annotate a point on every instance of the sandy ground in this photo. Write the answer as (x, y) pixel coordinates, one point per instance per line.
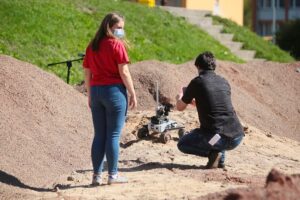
(160, 171)
(46, 133)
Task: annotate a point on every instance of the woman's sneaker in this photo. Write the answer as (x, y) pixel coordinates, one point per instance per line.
(97, 180)
(115, 179)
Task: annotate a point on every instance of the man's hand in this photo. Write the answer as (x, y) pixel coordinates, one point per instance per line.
(180, 95)
(180, 105)
(183, 89)
(193, 103)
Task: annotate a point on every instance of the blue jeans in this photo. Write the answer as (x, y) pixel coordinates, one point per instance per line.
(109, 107)
(196, 143)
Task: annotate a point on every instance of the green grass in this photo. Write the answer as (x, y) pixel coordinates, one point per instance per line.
(47, 31)
(264, 49)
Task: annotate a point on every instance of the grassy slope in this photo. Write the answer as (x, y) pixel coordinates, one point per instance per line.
(42, 32)
(251, 41)
(47, 31)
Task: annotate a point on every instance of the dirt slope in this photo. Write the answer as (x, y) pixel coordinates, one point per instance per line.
(265, 94)
(44, 124)
(46, 132)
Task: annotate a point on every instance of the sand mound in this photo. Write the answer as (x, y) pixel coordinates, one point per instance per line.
(45, 125)
(278, 186)
(265, 94)
(169, 77)
(46, 129)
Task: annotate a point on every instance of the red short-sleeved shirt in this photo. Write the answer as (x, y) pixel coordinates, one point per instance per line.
(104, 62)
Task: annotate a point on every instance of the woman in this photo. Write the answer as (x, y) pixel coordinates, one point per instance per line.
(107, 77)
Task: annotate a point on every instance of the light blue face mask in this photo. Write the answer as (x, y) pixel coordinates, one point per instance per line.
(119, 33)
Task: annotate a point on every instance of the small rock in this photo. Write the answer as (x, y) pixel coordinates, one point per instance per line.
(246, 129)
(70, 178)
(73, 173)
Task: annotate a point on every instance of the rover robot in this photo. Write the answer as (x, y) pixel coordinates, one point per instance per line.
(160, 123)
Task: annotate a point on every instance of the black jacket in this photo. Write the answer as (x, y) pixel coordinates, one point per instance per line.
(213, 101)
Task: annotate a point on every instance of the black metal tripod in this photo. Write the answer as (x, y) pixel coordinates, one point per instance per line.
(69, 65)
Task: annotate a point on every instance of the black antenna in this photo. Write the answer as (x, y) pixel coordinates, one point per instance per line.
(69, 65)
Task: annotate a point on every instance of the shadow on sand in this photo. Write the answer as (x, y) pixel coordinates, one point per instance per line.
(158, 165)
(12, 180)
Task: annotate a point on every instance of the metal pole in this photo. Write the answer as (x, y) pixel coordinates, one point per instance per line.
(274, 22)
(69, 65)
(157, 102)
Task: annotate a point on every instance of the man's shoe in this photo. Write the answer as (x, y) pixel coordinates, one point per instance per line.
(97, 180)
(116, 180)
(213, 160)
(221, 165)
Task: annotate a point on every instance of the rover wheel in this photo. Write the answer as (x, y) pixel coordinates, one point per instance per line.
(143, 132)
(165, 138)
(181, 132)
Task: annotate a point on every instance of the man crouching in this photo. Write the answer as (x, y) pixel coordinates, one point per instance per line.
(220, 128)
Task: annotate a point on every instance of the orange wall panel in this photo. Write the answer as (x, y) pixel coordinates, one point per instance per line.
(230, 9)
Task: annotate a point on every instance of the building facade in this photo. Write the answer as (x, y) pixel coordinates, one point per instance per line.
(285, 10)
(230, 9)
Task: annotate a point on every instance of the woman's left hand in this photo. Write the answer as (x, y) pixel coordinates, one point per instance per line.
(89, 101)
(132, 101)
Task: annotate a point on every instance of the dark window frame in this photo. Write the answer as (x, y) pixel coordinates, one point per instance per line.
(281, 3)
(268, 3)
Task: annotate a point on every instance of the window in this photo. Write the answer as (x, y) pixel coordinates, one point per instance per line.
(291, 3)
(268, 3)
(260, 3)
(281, 3)
(268, 29)
(265, 29)
(260, 29)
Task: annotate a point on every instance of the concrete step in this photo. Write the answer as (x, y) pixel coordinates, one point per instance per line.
(204, 21)
(233, 46)
(213, 30)
(179, 11)
(200, 19)
(223, 36)
(246, 55)
(259, 60)
(207, 26)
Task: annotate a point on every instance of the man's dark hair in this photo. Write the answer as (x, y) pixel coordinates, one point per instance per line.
(206, 61)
